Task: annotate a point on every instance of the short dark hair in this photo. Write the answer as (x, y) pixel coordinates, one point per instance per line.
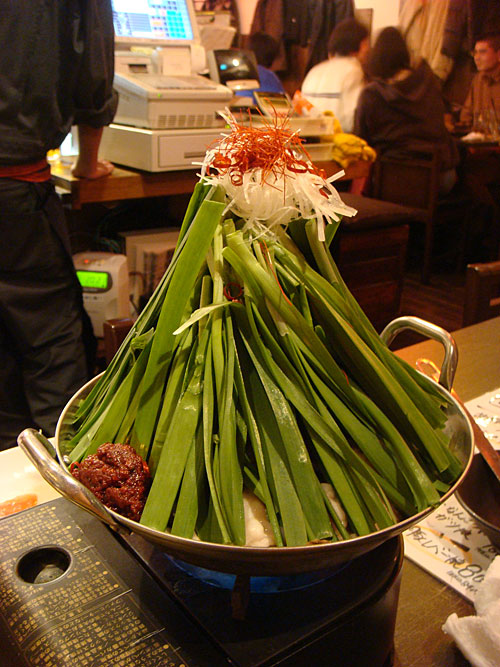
(264, 47)
(346, 37)
(388, 55)
(493, 39)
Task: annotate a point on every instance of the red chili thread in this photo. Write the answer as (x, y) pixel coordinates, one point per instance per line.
(265, 252)
(269, 148)
(228, 291)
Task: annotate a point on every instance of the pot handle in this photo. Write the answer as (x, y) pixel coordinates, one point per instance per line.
(41, 452)
(409, 322)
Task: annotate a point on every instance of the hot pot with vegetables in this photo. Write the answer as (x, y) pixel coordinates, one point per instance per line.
(266, 426)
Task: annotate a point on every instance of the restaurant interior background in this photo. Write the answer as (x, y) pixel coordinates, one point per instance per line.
(376, 13)
(385, 12)
(118, 602)
(101, 225)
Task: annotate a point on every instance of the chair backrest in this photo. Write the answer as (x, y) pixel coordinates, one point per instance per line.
(482, 292)
(411, 179)
(114, 333)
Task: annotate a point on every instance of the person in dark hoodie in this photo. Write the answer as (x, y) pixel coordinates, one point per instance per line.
(402, 106)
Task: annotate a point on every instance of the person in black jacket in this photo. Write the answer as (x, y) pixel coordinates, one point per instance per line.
(56, 70)
(403, 107)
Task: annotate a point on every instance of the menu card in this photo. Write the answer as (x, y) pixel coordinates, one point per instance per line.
(448, 543)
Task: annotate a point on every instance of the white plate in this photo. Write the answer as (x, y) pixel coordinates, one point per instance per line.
(19, 476)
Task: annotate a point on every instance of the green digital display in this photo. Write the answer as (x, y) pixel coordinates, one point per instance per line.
(93, 280)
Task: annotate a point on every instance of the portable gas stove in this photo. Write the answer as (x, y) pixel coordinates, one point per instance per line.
(74, 594)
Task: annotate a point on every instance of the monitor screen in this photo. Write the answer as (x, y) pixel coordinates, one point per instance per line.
(96, 281)
(154, 22)
(233, 65)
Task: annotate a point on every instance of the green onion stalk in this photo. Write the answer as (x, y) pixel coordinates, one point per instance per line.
(252, 372)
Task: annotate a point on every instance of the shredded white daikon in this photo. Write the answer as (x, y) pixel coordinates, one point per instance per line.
(276, 197)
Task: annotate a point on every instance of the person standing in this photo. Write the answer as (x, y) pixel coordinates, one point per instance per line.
(335, 84)
(56, 71)
(265, 48)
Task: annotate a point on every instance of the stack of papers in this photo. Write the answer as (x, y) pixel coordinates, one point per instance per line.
(448, 543)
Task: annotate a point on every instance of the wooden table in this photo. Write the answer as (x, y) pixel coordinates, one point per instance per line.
(482, 148)
(425, 602)
(121, 184)
(125, 183)
(478, 369)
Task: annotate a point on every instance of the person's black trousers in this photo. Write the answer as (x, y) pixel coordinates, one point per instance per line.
(46, 341)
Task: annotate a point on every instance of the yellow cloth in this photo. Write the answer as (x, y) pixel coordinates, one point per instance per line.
(348, 148)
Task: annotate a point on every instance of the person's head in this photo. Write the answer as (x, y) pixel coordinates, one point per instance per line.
(265, 48)
(349, 38)
(389, 55)
(487, 52)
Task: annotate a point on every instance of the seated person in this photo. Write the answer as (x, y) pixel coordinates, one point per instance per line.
(335, 84)
(265, 49)
(484, 92)
(480, 171)
(402, 107)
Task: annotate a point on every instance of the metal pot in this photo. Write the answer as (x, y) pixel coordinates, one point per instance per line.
(257, 561)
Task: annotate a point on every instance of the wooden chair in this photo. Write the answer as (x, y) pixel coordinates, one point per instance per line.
(413, 180)
(114, 332)
(482, 292)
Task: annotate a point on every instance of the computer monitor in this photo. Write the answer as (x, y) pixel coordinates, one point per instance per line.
(234, 68)
(154, 23)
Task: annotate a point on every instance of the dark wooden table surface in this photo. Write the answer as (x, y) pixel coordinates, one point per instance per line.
(121, 184)
(425, 602)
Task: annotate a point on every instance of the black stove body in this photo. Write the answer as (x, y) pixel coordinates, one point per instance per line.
(74, 594)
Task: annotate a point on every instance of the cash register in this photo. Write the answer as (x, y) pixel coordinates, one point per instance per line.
(167, 111)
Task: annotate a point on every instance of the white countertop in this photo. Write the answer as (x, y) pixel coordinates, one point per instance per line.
(19, 476)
